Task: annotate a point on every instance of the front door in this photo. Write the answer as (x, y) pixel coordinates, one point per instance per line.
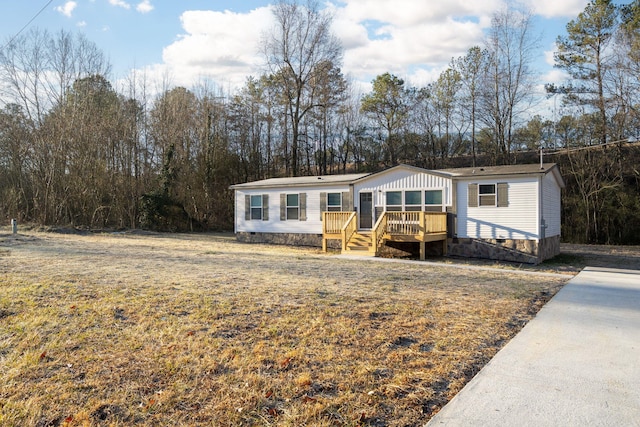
(366, 210)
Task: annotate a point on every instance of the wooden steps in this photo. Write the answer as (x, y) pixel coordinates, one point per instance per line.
(360, 244)
(395, 226)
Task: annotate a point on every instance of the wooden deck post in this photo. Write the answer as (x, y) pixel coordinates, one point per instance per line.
(423, 250)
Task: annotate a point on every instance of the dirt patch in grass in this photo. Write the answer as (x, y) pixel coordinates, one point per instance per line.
(148, 329)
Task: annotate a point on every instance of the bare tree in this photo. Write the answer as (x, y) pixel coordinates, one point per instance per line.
(445, 95)
(15, 158)
(471, 68)
(300, 41)
(509, 84)
(626, 73)
(331, 90)
(37, 69)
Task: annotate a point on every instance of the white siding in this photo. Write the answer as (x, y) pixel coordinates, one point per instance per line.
(551, 205)
(517, 221)
(400, 179)
(313, 224)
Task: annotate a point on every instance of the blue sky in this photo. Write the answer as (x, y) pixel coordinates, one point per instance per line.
(188, 40)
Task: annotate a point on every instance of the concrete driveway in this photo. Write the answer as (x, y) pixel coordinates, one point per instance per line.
(577, 363)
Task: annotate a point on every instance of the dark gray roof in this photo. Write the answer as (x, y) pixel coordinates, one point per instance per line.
(508, 170)
(500, 170)
(301, 181)
(480, 171)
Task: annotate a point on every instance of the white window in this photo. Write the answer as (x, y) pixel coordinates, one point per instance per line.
(334, 202)
(256, 207)
(394, 200)
(486, 195)
(433, 200)
(293, 207)
(413, 200)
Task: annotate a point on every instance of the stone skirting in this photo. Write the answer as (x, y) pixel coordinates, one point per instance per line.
(525, 251)
(548, 248)
(292, 239)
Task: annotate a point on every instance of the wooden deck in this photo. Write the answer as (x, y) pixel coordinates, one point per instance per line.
(419, 227)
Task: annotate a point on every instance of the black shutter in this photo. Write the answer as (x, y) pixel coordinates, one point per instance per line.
(247, 207)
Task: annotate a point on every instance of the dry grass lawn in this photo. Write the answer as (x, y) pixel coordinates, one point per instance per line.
(157, 330)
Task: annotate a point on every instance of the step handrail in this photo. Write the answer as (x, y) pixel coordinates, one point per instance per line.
(377, 233)
(348, 230)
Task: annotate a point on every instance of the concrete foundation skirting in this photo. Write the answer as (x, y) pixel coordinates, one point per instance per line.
(525, 251)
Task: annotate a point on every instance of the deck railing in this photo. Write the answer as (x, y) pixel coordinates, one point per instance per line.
(416, 223)
(332, 222)
(349, 229)
(434, 222)
(404, 223)
(414, 226)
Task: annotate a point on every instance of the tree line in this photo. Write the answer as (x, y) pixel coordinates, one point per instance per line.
(75, 150)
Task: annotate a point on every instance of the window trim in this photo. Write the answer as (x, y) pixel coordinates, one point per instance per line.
(429, 207)
(423, 206)
(288, 206)
(412, 207)
(394, 208)
(501, 194)
(334, 208)
(493, 195)
(264, 207)
(260, 206)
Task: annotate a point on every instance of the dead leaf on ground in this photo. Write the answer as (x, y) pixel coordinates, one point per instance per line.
(309, 399)
(285, 363)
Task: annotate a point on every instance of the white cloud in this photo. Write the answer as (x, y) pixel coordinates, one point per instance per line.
(411, 12)
(405, 37)
(429, 44)
(548, 55)
(420, 77)
(217, 45)
(549, 107)
(555, 76)
(120, 3)
(144, 6)
(81, 24)
(557, 8)
(67, 8)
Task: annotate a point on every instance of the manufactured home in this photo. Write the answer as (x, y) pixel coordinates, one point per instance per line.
(507, 213)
